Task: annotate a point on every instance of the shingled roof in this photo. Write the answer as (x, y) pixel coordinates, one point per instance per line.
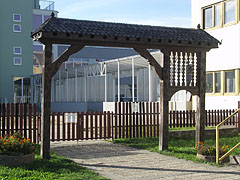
(126, 32)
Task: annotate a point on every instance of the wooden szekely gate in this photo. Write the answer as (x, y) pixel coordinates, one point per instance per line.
(78, 34)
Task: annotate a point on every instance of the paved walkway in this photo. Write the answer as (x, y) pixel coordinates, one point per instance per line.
(119, 162)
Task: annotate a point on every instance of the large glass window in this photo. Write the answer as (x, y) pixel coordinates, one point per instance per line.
(217, 82)
(229, 81)
(229, 11)
(217, 15)
(208, 17)
(209, 83)
(22, 88)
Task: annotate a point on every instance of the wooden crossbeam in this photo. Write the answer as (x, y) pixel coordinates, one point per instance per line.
(54, 67)
(146, 54)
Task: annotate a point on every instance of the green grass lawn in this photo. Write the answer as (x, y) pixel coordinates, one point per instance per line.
(178, 147)
(56, 168)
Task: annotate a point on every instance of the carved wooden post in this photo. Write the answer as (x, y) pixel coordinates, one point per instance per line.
(201, 113)
(164, 106)
(46, 101)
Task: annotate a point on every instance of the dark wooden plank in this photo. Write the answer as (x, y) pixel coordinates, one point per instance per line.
(190, 118)
(212, 118)
(3, 119)
(174, 124)
(109, 117)
(87, 125)
(16, 116)
(105, 124)
(63, 127)
(53, 126)
(147, 120)
(12, 117)
(227, 123)
(151, 118)
(133, 124)
(100, 125)
(194, 118)
(215, 118)
(137, 125)
(81, 128)
(34, 123)
(170, 119)
(74, 130)
(127, 120)
(130, 120)
(91, 125)
(116, 120)
(21, 117)
(25, 119)
(8, 118)
(154, 119)
(180, 119)
(144, 119)
(140, 119)
(30, 120)
(58, 126)
(224, 116)
(184, 118)
(177, 119)
(119, 120)
(187, 118)
(123, 119)
(96, 125)
(158, 115)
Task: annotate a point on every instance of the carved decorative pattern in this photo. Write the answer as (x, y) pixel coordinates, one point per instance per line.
(183, 69)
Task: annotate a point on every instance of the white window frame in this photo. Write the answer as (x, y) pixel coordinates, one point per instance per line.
(17, 25)
(16, 52)
(14, 61)
(19, 16)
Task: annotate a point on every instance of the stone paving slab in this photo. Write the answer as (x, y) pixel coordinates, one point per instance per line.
(118, 162)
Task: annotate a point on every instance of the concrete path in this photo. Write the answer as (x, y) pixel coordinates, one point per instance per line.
(119, 162)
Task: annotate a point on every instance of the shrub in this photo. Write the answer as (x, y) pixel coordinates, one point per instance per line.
(15, 144)
(208, 150)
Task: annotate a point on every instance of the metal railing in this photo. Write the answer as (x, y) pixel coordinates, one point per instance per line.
(217, 139)
(46, 5)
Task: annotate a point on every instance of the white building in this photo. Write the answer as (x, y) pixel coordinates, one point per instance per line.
(221, 20)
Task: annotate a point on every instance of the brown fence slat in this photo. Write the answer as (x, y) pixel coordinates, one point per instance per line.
(119, 120)
(187, 118)
(127, 120)
(16, 116)
(109, 117)
(147, 114)
(154, 119)
(12, 117)
(58, 126)
(25, 119)
(130, 120)
(34, 123)
(96, 125)
(158, 119)
(8, 118)
(30, 121)
(184, 119)
(180, 119)
(140, 119)
(63, 127)
(123, 120)
(105, 124)
(73, 130)
(151, 115)
(81, 128)
(137, 125)
(3, 119)
(100, 125)
(116, 119)
(133, 124)
(21, 117)
(91, 125)
(53, 126)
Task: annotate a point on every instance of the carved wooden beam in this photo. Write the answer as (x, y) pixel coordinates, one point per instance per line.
(144, 53)
(54, 67)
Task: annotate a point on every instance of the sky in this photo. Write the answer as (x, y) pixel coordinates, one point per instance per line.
(173, 13)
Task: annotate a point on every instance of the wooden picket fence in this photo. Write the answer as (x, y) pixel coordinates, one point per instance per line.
(129, 120)
(20, 117)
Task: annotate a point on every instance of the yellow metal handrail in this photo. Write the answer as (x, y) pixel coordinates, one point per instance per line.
(217, 139)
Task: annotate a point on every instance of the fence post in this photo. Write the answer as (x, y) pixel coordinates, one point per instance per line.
(238, 123)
